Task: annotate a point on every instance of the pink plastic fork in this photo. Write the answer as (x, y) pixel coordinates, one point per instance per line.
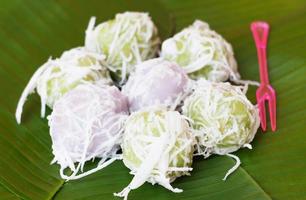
(265, 92)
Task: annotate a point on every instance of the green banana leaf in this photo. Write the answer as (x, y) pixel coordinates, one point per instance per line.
(31, 31)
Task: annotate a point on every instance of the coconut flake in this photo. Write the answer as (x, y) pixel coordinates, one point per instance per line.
(63, 73)
(30, 88)
(156, 152)
(87, 123)
(234, 168)
(217, 129)
(131, 39)
(156, 82)
(202, 47)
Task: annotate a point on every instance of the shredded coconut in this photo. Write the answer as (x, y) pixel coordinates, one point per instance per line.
(87, 123)
(223, 119)
(157, 147)
(230, 171)
(196, 48)
(156, 82)
(127, 40)
(57, 76)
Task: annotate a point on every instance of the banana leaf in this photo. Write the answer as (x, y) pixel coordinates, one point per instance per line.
(31, 31)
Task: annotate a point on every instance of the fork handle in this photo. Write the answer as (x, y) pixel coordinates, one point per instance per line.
(260, 32)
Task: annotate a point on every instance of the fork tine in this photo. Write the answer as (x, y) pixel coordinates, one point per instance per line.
(262, 114)
(272, 110)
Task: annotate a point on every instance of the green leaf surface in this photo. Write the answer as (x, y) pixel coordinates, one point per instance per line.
(205, 183)
(31, 31)
(5, 194)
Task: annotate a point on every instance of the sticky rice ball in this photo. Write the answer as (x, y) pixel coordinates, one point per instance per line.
(87, 123)
(156, 82)
(225, 118)
(58, 76)
(222, 118)
(202, 53)
(157, 147)
(127, 40)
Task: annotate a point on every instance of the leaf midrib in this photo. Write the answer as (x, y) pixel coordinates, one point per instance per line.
(253, 180)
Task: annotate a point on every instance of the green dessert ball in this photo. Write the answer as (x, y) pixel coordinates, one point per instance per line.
(157, 147)
(127, 40)
(223, 118)
(58, 76)
(202, 53)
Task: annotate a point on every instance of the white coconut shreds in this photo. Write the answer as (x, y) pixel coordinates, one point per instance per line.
(57, 76)
(156, 82)
(202, 52)
(87, 123)
(127, 40)
(157, 148)
(223, 119)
